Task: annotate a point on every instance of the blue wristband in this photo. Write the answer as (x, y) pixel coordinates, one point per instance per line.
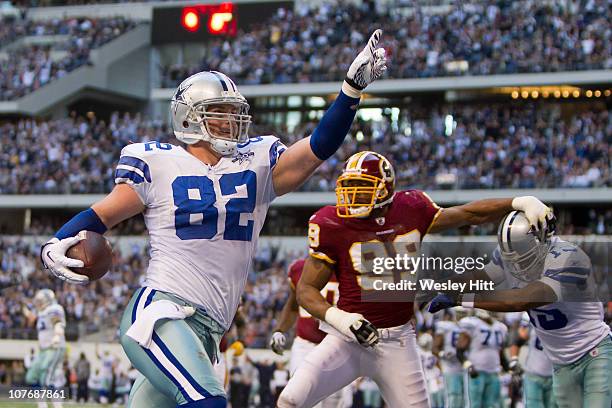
(86, 220)
(333, 127)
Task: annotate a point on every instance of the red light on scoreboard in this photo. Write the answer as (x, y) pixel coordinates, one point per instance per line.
(220, 19)
(190, 19)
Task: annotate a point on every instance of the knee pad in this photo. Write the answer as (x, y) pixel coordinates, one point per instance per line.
(211, 402)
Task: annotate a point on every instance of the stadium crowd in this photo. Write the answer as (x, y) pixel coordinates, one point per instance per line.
(316, 42)
(24, 69)
(434, 147)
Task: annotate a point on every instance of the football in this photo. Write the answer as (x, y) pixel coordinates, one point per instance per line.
(96, 253)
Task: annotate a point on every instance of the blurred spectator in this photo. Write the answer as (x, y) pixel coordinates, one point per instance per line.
(29, 67)
(446, 146)
(82, 370)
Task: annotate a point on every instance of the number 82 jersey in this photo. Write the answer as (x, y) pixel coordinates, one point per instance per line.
(203, 220)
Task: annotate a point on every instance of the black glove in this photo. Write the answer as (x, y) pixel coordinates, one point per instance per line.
(365, 333)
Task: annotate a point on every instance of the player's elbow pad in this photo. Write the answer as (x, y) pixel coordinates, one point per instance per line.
(333, 127)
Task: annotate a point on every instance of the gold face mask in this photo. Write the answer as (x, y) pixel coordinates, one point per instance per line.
(357, 194)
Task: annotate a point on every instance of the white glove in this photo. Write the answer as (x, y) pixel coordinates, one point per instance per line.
(536, 211)
(53, 257)
(366, 68)
(277, 343)
(352, 325)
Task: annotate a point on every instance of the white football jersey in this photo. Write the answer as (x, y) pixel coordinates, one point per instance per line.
(536, 361)
(45, 322)
(203, 220)
(450, 331)
(486, 342)
(567, 329)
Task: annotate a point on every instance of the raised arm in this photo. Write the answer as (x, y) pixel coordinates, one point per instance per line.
(491, 210)
(301, 159)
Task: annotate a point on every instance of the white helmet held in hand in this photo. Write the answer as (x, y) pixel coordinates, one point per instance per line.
(207, 106)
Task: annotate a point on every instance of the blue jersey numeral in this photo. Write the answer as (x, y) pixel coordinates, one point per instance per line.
(454, 338)
(487, 333)
(194, 197)
(552, 319)
(499, 338)
(160, 146)
(538, 344)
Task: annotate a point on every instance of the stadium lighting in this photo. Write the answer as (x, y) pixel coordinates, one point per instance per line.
(589, 93)
(535, 94)
(576, 93)
(190, 20)
(525, 94)
(515, 95)
(218, 22)
(597, 93)
(607, 92)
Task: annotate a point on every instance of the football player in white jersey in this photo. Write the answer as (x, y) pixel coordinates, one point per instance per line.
(552, 280)
(447, 333)
(536, 366)
(204, 206)
(485, 338)
(50, 324)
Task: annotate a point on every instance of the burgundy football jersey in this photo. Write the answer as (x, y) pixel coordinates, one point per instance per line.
(339, 241)
(307, 327)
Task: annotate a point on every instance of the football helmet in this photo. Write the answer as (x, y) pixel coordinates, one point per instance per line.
(522, 249)
(195, 118)
(367, 182)
(43, 298)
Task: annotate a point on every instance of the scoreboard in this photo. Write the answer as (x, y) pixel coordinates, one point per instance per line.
(199, 22)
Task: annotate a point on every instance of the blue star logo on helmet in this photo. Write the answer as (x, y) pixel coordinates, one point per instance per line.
(179, 96)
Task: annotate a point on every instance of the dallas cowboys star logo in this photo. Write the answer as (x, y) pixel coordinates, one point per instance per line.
(179, 96)
(242, 157)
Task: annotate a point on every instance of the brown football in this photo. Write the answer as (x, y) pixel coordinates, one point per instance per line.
(96, 253)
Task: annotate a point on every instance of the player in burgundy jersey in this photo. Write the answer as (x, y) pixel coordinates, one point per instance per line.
(307, 332)
(373, 338)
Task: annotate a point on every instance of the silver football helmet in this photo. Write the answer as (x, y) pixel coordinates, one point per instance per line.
(523, 250)
(43, 298)
(194, 117)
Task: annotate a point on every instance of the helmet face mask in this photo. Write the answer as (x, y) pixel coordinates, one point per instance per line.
(366, 183)
(208, 107)
(522, 250)
(224, 121)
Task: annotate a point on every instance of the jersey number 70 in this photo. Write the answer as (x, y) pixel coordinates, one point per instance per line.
(196, 215)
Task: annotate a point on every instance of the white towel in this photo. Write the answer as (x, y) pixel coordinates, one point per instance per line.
(142, 329)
